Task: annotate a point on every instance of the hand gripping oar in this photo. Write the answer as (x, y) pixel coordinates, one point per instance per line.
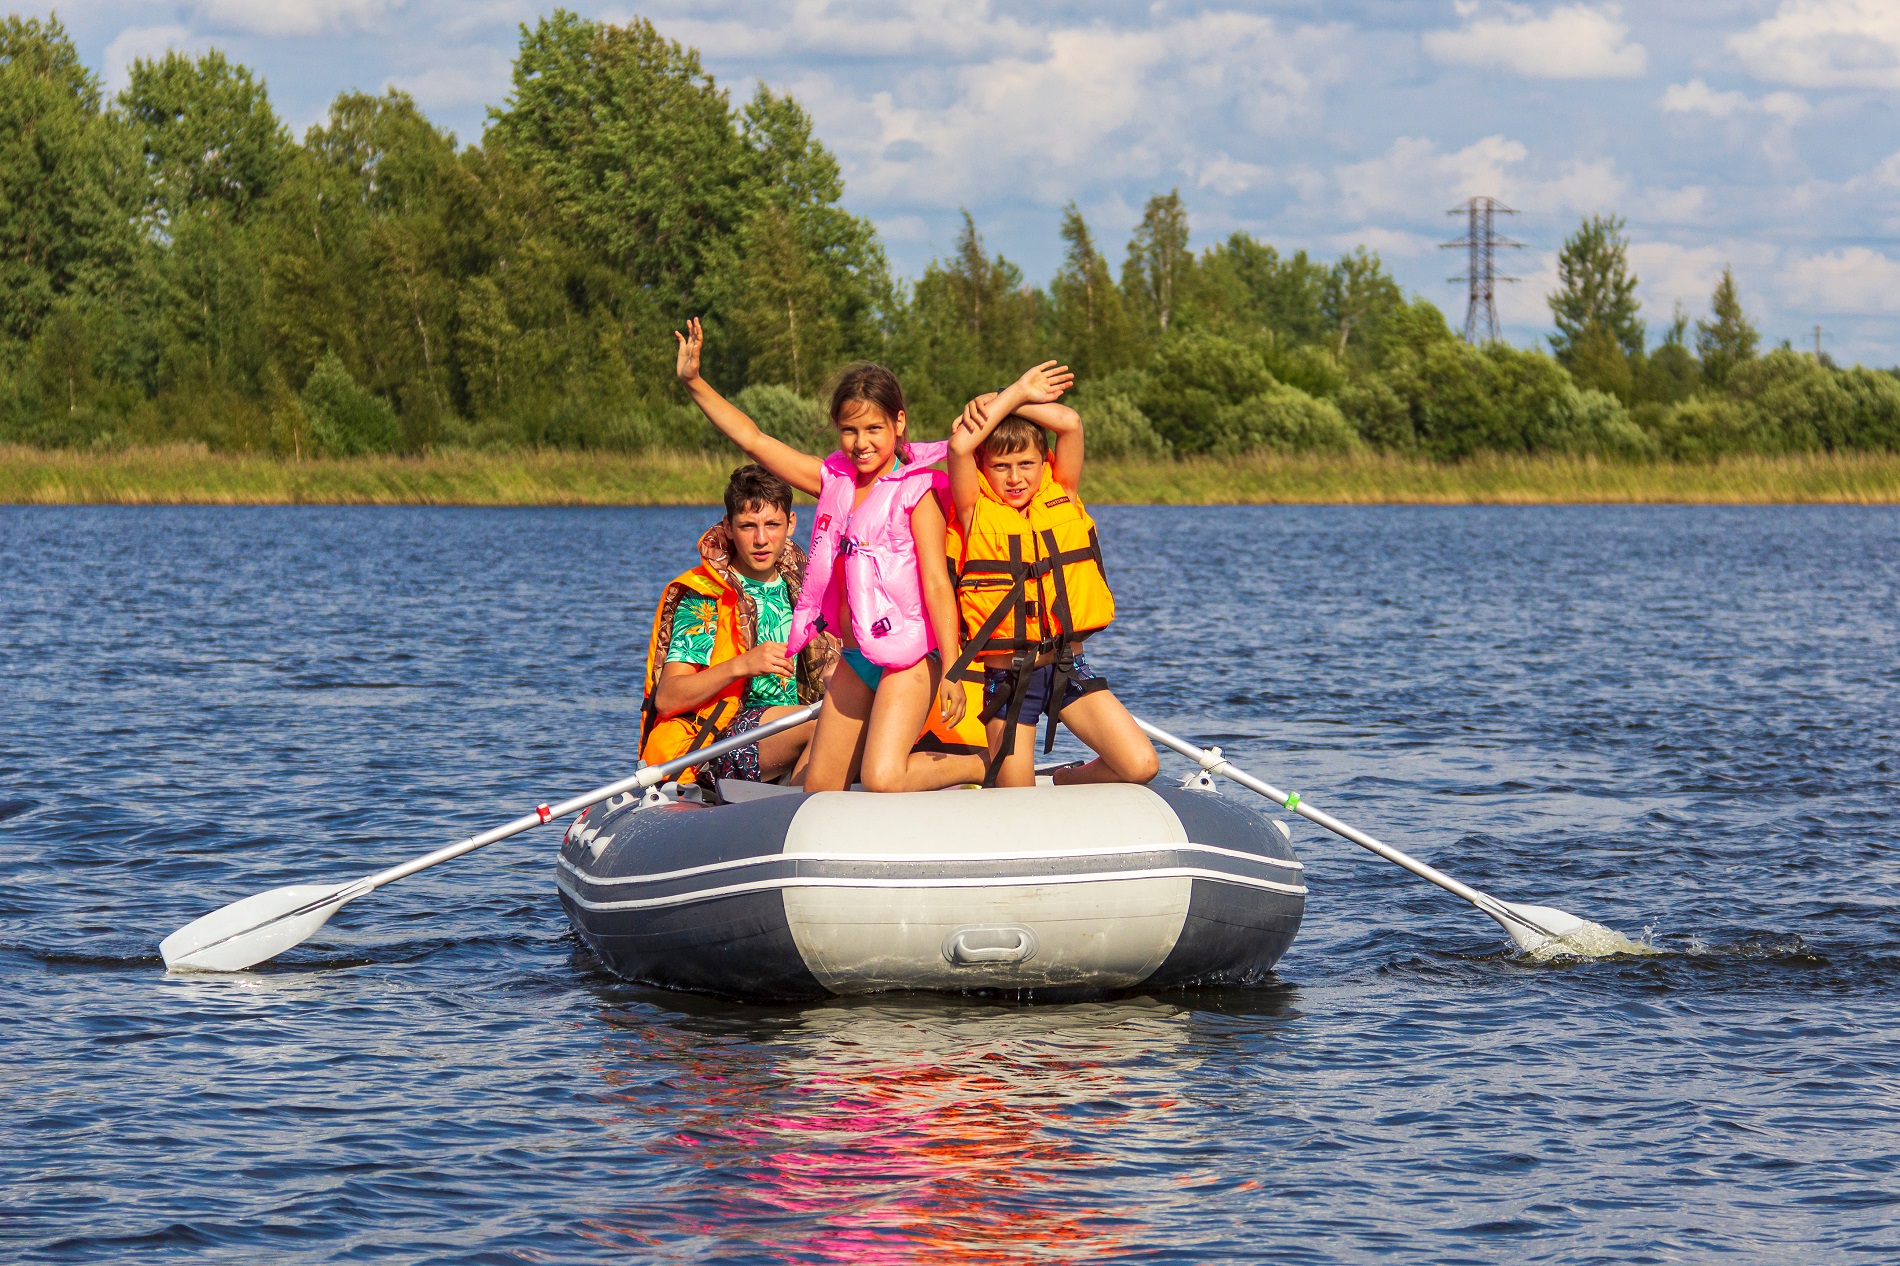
(247, 932)
(1532, 927)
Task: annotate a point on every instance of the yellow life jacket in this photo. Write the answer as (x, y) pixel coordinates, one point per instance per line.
(664, 738)
(1030, 580)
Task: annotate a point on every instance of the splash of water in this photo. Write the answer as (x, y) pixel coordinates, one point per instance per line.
(1591, 940)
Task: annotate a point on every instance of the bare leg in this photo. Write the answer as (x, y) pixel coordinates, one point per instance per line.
(1019, 767)
(932, 771)
(782, 751)
(904, 699)
(837, 744)
(1123, 752)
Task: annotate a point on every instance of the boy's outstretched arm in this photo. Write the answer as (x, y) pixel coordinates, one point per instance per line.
(801, 470)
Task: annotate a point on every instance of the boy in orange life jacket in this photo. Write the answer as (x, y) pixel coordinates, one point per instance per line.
(1031, 587)
(716, 661)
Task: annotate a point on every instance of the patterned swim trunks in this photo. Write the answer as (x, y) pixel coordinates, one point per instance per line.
(741, 764)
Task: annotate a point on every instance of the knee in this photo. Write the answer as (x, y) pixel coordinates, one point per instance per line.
(881, 776)
(1142, 766)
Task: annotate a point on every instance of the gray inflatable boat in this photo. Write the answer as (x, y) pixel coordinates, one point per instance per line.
(1038, 892)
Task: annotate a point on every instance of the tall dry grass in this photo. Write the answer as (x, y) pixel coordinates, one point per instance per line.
(190, 475)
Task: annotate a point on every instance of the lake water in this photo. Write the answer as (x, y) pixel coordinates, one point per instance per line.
(1679, 721)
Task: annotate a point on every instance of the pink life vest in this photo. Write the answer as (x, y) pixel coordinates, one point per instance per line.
(879, 557)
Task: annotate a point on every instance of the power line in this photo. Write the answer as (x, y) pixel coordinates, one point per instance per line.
(1481, 276)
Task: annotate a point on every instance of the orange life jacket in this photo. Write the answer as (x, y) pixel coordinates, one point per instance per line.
(1030, 580)
(663, 738)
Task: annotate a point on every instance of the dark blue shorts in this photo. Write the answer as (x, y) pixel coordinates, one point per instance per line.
(997, 683)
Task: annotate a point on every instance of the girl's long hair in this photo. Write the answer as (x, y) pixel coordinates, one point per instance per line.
(864, 382)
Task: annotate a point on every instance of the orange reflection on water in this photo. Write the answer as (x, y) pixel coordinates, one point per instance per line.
(923, 1130)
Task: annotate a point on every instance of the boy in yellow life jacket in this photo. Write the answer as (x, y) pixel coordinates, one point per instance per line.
(716, 662)
(1031, 587)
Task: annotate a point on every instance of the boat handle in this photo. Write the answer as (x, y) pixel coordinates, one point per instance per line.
(1009, 943)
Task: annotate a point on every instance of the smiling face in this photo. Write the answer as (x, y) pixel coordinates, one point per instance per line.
(758, 536)
(868, 437)
(1014, 476)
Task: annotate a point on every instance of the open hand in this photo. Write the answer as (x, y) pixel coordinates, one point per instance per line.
(974, 415)
(950, 699)
(686, 365)
(1045, 383)
(767, 657)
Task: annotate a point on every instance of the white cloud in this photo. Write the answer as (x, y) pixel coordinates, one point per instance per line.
(1390, 243)
(470, 77)
(1783, 110)
(1855, 281)
(1678, 206)
(1572, 41)
(1078, 106)
(1696, 97)
(293, 17)
(1414, 176)
(1825, 44)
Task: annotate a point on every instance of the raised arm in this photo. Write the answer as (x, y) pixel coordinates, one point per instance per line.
(1032, 395)
(801, 470)
(1065, 462)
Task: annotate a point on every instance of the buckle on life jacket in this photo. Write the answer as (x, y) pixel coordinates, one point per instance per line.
(846, 547)
(882, 628)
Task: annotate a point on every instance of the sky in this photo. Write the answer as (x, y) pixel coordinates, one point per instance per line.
(1760, 134)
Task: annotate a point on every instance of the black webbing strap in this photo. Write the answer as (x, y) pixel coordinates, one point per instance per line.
(1014, 603)
(708, 726)
(1021, 666)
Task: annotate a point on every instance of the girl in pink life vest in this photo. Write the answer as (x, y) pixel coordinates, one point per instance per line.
(877, 580)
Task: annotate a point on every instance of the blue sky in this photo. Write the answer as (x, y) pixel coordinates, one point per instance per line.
(1761, 133)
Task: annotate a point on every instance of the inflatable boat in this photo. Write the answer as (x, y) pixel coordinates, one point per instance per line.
(1044, 892)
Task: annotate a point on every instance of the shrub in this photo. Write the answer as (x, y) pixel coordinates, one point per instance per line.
(1704, 428)
(344, 418)
(1378, 413)
(785, 415)
(1116, 426)
(1193, 377)
(1283, 419)
(1593, 422)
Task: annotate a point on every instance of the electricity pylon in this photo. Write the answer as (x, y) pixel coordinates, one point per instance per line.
(1481, 276)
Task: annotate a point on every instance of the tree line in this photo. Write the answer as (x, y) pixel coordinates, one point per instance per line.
(175, 266)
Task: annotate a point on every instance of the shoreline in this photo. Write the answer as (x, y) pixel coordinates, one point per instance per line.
(192, 475)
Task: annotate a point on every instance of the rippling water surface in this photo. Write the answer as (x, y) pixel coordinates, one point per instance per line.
(1679, 720)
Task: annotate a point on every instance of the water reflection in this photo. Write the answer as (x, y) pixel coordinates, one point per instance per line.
(902, 1129)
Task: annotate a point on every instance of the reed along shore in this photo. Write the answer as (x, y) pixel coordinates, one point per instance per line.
(191, 475)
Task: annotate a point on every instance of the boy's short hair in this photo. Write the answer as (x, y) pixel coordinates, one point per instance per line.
(1012, 435)
(754, 487)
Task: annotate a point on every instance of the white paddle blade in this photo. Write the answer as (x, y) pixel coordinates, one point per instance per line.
(247, 932)
(1559, 923)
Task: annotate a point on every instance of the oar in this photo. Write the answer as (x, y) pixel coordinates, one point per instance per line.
(1532, 927)
(247, 932)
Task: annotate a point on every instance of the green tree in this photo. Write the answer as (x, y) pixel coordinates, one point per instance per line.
(1728, 338)
(211, 140)
(1245, 284)
(971, 328)
(793, 171)
(1670, 374)
(1088, 319)
(1160, 267)
(1359, 298)
(1596, 287)
(69, 181)
(635, 143)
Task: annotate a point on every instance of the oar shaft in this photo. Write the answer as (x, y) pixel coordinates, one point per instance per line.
(651, 776)
(1216, 764)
